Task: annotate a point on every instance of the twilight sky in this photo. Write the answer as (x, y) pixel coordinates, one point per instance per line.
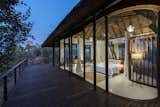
(47, 14)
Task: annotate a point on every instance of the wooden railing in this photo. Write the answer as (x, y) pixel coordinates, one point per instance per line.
(7, 74)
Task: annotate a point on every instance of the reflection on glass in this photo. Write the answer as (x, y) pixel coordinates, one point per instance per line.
(67, 54)
(62, 54)
(77, 54)
(56, 56)
(89, 53)
(100, 53)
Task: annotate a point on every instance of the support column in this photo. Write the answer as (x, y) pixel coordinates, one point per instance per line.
(106, 52)
(158, 53)
(5, 89)
(94, 51)
(64, 55)
(69, 40)
(84, 58)
(53, 63)
(126, 59)
(71, 55)
(78, 68)
(59, 54)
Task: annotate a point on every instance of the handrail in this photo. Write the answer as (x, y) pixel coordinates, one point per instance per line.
(17, 68)
(12, 69)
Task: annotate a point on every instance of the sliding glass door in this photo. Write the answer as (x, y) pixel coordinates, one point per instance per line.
(77, 54)
(89, 65)
(100, 53)
(56, 56)
(62, 54)
(67, 44)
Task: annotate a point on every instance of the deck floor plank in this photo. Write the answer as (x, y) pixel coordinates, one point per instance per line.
(45, 86)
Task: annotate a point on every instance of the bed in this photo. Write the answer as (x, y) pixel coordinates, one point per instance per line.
(113, 67)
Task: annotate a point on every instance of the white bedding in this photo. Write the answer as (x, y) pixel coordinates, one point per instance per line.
(112, 68)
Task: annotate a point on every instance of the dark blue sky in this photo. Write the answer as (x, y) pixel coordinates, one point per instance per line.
(47, 14)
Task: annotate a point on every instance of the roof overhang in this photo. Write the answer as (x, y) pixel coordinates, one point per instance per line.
(82, 14)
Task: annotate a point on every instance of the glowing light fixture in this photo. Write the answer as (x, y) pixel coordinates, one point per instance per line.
(90, 39)
(130, 28)
(75, 60)
(104, 35)
(137, 56)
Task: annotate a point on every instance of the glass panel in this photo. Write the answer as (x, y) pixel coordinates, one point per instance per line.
(62, 54)
(77, 54)
(67, 54)
(100, 53)
(56, 56)
(89, 53)
(132, 54)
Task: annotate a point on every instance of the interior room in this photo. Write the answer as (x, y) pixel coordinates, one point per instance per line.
(67, 44)
(89, 53)
(132, 39)
(132, 45)
(100, 53)
(62, 54)
(77, 54)
(131, 54)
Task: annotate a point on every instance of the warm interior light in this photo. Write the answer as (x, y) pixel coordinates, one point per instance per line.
(130, 28)
(75, 60)
(120, 67)
(137, 56)
(104, 35)
(90, 39)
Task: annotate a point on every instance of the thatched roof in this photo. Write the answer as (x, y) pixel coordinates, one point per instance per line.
(82, 13)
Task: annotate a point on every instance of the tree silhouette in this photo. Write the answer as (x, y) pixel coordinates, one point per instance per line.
(14, 30)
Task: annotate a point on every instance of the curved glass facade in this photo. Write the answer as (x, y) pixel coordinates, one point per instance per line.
(126, 43)
(132, 54)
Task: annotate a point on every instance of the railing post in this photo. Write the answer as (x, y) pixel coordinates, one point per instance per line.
(19, 70)
(5, 90)
(23, 66)
(15, 76)
(26, 62)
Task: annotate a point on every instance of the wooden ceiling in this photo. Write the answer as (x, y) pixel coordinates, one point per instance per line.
(117, 25)
(143, 22)
(83, 12)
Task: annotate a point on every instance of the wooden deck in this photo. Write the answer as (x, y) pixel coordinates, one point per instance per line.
(45, 86)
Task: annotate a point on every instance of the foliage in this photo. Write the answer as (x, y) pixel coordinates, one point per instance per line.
(14, 30)
(36, 54)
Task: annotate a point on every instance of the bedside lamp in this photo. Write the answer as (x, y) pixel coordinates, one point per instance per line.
(75, 60)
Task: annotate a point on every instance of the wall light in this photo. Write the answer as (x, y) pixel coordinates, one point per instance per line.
(137, 55)
(104, 35)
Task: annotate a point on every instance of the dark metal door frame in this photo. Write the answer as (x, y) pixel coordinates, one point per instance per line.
(158, 53)
(106, 52)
